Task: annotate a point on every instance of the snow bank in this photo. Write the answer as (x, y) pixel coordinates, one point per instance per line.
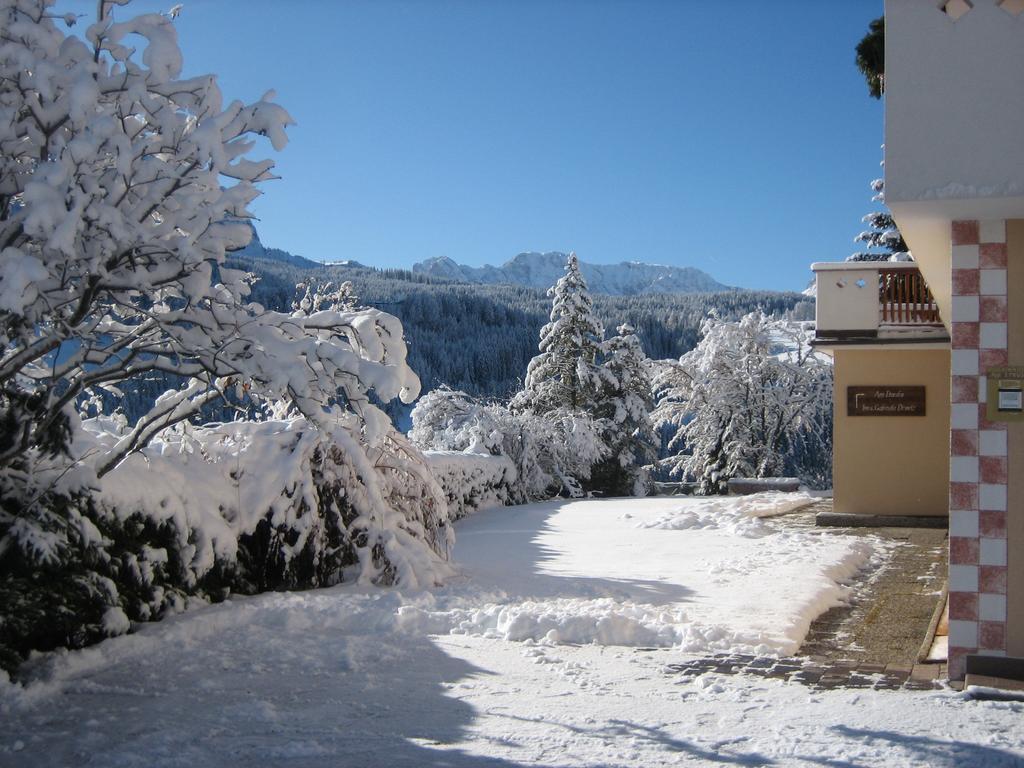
(472, 481)
(603, 621)
(736, 515)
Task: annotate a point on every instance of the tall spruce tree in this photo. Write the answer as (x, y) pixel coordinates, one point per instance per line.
(566, 373)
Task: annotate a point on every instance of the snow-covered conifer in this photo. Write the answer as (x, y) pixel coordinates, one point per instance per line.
(566, 372)
(883, 238)
(624, 405)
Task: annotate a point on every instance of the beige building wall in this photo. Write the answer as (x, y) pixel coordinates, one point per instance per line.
(892, 465)
(1015, 445)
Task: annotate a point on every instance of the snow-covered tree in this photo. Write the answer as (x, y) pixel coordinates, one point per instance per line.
(883, 238)
(313, 297)
(123, 188)
(564, 383)
(624, 405)
(551, 452)
(566, 372)
(752, 400)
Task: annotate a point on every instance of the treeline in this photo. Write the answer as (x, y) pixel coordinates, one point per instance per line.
(480, 338)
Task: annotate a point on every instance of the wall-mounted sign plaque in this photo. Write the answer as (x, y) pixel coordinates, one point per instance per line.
(885, 400)
(1004, 395)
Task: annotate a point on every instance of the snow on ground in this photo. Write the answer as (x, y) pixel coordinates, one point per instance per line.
(740, 515)
(611, 572)
(471, 675)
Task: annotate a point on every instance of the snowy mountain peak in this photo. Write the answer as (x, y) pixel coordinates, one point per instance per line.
(442, 266)
(541, 270)
(531, 258)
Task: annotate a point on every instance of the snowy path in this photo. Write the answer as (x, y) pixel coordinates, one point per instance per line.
(621, 572)
(347, 678)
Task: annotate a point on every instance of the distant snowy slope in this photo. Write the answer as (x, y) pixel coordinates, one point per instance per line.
(479, 335)
(541, 270)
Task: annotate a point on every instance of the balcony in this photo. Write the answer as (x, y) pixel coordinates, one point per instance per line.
(869, 303)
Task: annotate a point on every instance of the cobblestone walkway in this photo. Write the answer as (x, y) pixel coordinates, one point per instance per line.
(873, 641)
(891, 604)
(819, 673)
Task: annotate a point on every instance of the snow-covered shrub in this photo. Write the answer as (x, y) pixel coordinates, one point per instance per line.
(286, 505)
(72, 573)
(205, 511)
(551, 453)
(752, 400)
(472, 481)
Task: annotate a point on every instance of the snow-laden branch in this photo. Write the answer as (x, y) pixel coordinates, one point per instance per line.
(123, 190)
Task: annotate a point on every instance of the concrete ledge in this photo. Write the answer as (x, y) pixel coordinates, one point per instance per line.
(844, 520)
(993, 688)
(1004, 667)
(674, 489)
(994, 682)
(742, 486)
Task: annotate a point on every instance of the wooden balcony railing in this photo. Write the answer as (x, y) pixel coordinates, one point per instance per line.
(905, 299)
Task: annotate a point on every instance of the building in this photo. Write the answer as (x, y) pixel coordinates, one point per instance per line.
(944, 336)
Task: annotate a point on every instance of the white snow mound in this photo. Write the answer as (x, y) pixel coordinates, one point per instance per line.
(738, 515)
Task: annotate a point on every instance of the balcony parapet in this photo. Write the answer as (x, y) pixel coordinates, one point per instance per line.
(874, 302)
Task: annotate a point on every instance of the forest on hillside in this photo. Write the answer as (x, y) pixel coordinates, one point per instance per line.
(480, 338)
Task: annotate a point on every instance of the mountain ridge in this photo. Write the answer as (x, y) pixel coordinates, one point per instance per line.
(529, 269)
(534, 269)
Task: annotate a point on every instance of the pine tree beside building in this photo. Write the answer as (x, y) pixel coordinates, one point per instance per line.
(883, 238)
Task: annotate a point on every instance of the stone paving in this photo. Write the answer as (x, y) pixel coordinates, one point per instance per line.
(873, 641)
(819, 673)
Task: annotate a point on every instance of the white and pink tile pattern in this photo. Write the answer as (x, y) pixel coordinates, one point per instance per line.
(977, 447)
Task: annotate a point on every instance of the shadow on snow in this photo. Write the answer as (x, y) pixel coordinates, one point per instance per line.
(298, 696)
(523, 566)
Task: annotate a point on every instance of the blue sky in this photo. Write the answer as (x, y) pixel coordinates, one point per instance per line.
(737, 137)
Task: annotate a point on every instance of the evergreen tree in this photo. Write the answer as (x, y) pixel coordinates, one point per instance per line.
(625, 408)
(871, 57)
(566, 374)
(883, 239)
